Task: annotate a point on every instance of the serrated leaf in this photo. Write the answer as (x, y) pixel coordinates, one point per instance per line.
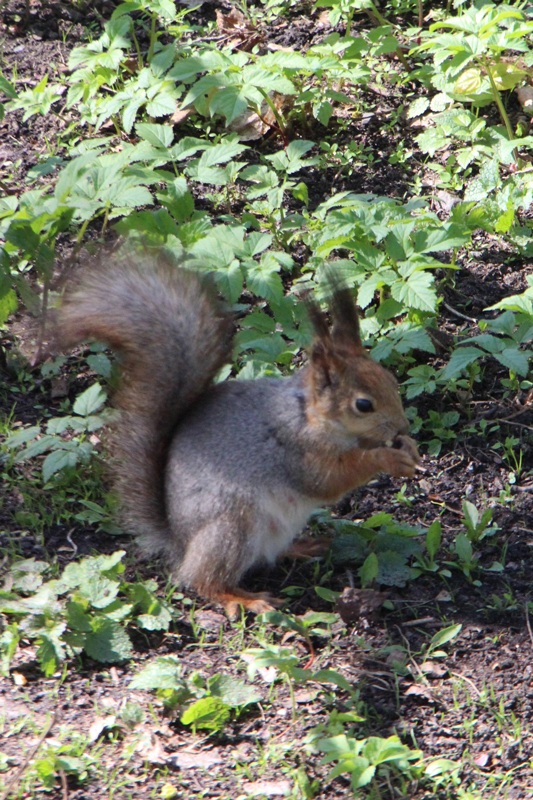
(230, 281)
(89, 401)
(393, 569)
(157, 135)
(23, 436)
(161, 106)
(460, 360)
(418, 107)
(108, 641)
(8, 305)
(100, 363)
(416, 292)
(265, 283)
(58, 460)
(51, 652)
(515, 360)
(230, 102)
(162, 673)
(232, 691)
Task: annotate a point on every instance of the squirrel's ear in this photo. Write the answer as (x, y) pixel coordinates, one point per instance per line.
(324, 365)
(346, 333)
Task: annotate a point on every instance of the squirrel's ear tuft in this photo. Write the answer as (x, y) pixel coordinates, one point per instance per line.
(317, 317)
(346, 332)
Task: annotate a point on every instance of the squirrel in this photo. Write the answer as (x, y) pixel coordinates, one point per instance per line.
(218, 477)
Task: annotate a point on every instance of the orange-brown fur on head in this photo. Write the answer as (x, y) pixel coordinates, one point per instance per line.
(341, 373)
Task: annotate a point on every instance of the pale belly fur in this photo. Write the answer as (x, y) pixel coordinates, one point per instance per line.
(281, 518)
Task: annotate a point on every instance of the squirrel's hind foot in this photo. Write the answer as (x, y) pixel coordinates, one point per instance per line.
(234, 599)
(309, 548)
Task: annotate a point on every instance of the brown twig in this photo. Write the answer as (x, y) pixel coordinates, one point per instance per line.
(64, 785)
(464, 678)
(528, 623)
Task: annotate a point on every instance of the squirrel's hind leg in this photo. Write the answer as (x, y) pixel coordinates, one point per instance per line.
(216, 558)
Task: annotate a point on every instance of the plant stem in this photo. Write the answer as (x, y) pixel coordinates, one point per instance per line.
(293, 699)
(136, 43)
(153, 39)
(275, 111)
(498, 100)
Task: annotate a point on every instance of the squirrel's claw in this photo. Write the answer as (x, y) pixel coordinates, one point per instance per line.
(256, 602)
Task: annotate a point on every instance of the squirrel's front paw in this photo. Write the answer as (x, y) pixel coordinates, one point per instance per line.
(401, 459)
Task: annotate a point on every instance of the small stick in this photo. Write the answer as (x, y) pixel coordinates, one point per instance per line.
(458, 313)
(528, 624)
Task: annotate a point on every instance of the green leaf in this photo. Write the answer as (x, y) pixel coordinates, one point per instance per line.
(417, 292)
(108, 641)
(463, 548)
(393, 569)
(161, 106)
(264, 282)
(158, 135)
(89, 401)
(471, 515)
(230, 102)
(211, 713)
(232, 691)
(51, 651)
(230, 281)
(443, 636)
(162, 673)
(58, 460)
(469, 83)
(100, 363)
(8, 305)
(515, 360)
(370, 569)
(77, 617)
(417, 107)
(300, 192)
(7, 88)
(433, 538)
(327, 594)
(461, 358)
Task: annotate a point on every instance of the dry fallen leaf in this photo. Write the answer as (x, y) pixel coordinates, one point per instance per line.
(268, 788)
(356, 603)
(150, 749)
(525, 98)
(193, 760)
(99, 725)
(432, 668)
(416, 690)
(242, 33)
(58, 388)
(180, 115)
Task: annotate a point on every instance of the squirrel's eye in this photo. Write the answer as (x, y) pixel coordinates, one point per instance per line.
(363, 405)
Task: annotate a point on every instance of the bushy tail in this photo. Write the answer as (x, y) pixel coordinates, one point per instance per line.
(173, 337)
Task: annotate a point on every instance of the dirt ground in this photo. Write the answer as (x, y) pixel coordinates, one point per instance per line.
(487, 678)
